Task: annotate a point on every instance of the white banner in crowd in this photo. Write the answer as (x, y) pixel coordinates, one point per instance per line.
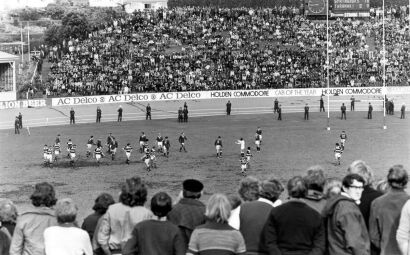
(22, 104)
(258, 93)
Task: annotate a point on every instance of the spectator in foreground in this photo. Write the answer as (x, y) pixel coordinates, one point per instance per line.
(403, 232)
(8, 216)
(157, 236)
(28, 235)
(385, 212)
(66, 238)
(294, 228)
(248, 191)
(346, 229)
(315, 180)
(120, 218)
(253, 215)
(369, 194)
(332, 187)
(216, 236)
(102, 202)
(188, 213)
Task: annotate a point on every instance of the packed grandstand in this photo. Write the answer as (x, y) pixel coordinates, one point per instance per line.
(191, 49)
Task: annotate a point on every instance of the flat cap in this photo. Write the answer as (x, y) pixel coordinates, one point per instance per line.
(192, 185)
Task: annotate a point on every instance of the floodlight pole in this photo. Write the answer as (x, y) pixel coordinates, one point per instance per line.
(384, 73)
(327, 64)
(22, 47)
(28, 40)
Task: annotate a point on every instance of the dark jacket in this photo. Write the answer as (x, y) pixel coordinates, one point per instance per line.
(294, 228)
(187, 215)
(384, 220)
(345, 227)
(252, 217)
(369, 194)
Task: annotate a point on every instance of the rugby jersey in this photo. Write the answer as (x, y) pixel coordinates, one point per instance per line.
(338, 149)
(244, 161)
(90, 141)
(69, 144)
(98, 151)
(159, 139)
(128, 148)
(248, 153)
(259, 131)
(72, 149)
(343, 136)
(45, 149)
(57, 147)
(218, 142)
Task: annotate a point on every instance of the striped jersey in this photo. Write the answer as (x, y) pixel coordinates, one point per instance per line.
(98, 151)
(248, 153)
(343, 136)
(90, 141)
(57, 147)
(257, 137)
(338, 149)
(72, 149)
(45, 149)
(244, 161)
(69, 144)
(128, 148)
(50, 151)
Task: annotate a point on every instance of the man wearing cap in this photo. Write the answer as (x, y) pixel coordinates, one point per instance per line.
(189, 212)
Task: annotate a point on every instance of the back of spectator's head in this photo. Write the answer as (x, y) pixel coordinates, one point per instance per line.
(249, 188)
(332, 187)
(297, 187)
(43, 195)
(218, 208)
(350, 178)
(8, 211)
(234, 200)
(66, 210)
(361, 168)
(161, 204)
(133, 192)
(270, 190)
(102, 202)
(192, 188)
(382, 186)
(397, 177)
(315, 179)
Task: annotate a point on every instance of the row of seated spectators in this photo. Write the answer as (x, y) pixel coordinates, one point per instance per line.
(216, 49)
(320, 216)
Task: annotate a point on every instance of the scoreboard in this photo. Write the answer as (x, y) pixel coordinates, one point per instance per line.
(351, 6)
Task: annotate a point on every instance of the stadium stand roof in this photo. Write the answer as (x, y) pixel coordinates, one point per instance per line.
(5, 57)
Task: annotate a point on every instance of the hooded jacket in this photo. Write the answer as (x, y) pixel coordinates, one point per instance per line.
(345, 227)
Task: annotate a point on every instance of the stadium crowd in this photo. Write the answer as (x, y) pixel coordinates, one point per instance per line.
(353, 215)
(188, 49)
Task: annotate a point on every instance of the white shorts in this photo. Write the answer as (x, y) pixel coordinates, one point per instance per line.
(248, 158)
(142, 143)
(113, 151)
(182, 144)
(45, 156)
(218, 148)
(98, 156)
(72, 155)
(257, 142)
(342, 141)
(338, 155)
(260, 137)
(159, 144)
(243, 167)
(242, 149)
(50, 158)
(164, 148)
(56, 153)
(128, 154)
(147, 161)
(89, 146)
